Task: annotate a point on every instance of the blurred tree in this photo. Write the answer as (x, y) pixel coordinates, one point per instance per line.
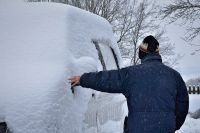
(188, 11)
(193, 81)
(139, 20)
(131, 20)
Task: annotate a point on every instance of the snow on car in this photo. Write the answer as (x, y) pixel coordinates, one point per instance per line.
(41, 46)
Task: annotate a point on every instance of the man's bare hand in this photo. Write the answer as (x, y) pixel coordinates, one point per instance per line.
(75, 80)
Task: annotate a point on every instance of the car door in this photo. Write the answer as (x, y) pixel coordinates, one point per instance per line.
(104, 107)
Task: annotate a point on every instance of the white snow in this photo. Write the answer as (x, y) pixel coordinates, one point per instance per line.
(108, 57)
(194, 102)
(41, 46)
(192, 125)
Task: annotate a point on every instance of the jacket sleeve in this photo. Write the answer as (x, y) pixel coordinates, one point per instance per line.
(105, 81)
(182, 103)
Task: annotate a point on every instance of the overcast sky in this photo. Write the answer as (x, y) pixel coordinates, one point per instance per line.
(189, 65)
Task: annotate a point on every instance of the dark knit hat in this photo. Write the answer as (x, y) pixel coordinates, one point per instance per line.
(148, 45)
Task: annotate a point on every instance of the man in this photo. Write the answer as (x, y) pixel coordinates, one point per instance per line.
(156, 94)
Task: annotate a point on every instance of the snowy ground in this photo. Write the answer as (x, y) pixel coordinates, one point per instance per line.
(192, 125)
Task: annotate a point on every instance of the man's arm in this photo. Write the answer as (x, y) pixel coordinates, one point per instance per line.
(112, 81)
(182, 103)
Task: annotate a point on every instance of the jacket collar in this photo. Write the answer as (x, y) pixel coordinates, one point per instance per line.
(152, 57)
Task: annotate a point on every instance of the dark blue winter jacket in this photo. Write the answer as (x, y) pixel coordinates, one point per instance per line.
(156, 94)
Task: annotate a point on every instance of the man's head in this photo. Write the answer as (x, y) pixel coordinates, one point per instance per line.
(148, 45)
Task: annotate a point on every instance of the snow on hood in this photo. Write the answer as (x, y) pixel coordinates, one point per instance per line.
(41, 46)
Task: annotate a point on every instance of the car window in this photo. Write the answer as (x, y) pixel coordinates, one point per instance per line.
(108, 56)
(101, 58)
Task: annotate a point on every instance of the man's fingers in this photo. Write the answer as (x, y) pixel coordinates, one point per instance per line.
(74, 80)
(74, 84)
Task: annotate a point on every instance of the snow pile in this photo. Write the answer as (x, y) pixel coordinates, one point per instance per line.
(191, 125)
(41, 46)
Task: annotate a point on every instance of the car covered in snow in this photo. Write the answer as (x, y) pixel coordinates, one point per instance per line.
(41, 46)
